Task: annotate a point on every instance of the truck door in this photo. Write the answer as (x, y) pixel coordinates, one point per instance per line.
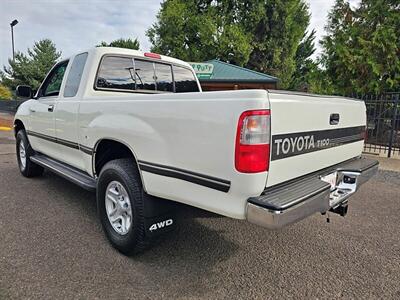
(67, 113)
(42, 134)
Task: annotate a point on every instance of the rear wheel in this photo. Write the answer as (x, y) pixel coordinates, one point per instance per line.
(121, 207)
(118, 207)
(24, 152)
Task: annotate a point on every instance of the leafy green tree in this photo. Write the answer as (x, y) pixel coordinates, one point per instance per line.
(260, 34)
(361, 49)
(337, 47)
(277, 28)
(122, 43)
(197, 30)
(319, 82)
(304, 64)
(32, 68)
(5, 93)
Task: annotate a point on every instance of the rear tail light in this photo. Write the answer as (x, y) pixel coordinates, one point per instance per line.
(252, 141)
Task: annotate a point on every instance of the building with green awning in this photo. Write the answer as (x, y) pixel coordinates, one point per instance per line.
(215, 75)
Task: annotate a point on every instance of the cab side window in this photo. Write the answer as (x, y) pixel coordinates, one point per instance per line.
(52, 84)
(75, 75)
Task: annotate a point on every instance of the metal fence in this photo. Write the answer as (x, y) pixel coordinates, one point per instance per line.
(383, 124)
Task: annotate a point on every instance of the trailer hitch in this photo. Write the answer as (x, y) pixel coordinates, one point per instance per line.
(341, 209)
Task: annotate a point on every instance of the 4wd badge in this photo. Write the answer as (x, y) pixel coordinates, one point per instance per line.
(160, 225)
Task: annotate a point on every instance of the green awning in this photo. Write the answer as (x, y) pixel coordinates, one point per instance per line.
(224, 72)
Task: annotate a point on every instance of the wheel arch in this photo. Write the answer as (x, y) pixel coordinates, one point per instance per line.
(123, 149)
(18, 125)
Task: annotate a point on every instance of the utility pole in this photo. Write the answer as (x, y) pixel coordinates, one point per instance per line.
(12, 24)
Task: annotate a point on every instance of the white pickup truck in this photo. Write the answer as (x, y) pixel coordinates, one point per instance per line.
(136, 128)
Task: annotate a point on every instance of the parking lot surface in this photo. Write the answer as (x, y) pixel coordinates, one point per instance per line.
(52, 247)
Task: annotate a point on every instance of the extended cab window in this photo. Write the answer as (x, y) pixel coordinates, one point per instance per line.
(116, 73)
(184, 80)
(135, 74)
(144, 72)
(75, 75)
(52, 84)
(164, 77)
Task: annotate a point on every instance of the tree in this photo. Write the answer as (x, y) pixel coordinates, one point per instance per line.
(260, 34)
(362, 47)
(319, 82)
(5, 93)
(277, 28)
(197, 30)
(32, 68)
(122, 43)
(304, 64)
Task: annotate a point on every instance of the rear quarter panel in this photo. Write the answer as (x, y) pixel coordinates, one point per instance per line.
(191, 131)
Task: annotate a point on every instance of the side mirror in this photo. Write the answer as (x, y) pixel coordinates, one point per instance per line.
(24, 91)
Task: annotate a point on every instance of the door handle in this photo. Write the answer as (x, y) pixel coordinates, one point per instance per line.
(32, 109)
(50, 108)
(334, 119)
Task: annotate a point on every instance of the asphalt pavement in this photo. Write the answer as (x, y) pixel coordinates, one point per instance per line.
(52, 247)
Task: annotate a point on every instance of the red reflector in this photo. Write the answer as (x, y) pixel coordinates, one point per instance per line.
(152, 55)
(252, 158)
(252, 142)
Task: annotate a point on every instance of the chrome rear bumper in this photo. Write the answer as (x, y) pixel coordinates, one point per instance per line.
(295, 200)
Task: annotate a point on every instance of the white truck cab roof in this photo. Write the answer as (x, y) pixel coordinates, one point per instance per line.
(101, 51)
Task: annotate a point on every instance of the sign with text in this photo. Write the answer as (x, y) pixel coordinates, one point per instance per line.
(202, 70)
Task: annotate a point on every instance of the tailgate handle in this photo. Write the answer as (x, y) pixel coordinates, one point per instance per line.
(334, 119)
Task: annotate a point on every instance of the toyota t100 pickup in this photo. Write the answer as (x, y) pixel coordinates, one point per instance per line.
(136, 128)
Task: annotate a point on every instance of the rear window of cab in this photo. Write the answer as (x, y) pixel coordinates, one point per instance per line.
(129, 74)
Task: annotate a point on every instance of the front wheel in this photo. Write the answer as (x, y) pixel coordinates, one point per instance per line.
(24, 153)
(120, 206)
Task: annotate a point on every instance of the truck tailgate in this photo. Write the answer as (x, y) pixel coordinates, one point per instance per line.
(311, 132)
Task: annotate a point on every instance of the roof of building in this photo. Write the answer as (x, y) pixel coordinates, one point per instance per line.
(224, 72)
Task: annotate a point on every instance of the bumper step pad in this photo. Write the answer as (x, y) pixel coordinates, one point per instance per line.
(295, 200)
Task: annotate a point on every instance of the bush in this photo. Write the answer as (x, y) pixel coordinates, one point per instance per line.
(5, 93)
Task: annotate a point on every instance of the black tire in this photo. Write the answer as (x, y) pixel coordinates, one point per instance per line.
(30, 169)
(126, 173)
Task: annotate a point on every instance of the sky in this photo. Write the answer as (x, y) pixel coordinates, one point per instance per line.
(76, 25)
